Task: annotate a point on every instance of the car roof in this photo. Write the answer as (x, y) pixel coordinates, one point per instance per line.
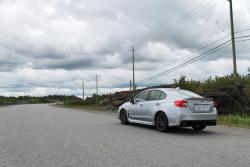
(165, 89)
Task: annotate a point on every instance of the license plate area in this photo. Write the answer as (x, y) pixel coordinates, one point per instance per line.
(201, 108)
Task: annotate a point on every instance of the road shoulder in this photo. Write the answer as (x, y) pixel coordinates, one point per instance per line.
(109, 112)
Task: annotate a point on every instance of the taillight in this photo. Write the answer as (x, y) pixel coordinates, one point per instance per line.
(180, 103)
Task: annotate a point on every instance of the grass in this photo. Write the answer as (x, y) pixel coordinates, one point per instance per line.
(236, 120)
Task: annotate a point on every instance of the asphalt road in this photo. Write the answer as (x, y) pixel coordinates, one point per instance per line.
(43, 135)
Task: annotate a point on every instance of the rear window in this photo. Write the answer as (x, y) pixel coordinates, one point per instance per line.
(185, 94)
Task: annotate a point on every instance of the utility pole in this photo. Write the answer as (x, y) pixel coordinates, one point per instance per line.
(130, 85)
(96, 84)
(82, 89)
(133, 58)
(235, 73)
(96, 80)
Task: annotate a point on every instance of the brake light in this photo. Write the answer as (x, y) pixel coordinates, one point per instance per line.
(180, 103)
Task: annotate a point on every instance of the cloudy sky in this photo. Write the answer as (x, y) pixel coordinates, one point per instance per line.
(50, 46)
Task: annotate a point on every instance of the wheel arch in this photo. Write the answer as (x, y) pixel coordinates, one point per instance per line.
(123, 109)
(160, 111)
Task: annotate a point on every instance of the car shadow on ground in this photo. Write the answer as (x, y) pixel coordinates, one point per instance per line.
(175, 130)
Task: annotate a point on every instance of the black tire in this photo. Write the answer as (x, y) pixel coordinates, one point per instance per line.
(123, 117)
(199, 127)
(161, 122)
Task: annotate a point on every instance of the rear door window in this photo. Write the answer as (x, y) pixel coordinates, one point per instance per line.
(156, 95)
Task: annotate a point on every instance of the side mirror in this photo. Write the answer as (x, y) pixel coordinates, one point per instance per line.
(132, 100)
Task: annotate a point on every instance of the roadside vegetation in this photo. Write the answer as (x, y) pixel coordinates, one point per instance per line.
(36, 100)
(236, 120)
(232, 96)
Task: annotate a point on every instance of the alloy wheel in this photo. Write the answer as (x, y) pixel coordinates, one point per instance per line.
(161, 122)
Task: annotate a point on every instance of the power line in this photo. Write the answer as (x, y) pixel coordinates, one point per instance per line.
(244, 30)
(243, 40)
(211, 51)
(247, 29)
(223, 37)
(192, 18)
(174, 20)
(212, 27)
(244, 36)
(168, 32)
(212, 42)
(216, 41)
(219, 47)
(168, 19)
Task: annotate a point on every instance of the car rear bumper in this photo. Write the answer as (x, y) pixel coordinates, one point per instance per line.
(189, 118)
(198, 116)
(198, 122)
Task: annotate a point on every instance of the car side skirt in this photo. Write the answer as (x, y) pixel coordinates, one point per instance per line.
(140, 122)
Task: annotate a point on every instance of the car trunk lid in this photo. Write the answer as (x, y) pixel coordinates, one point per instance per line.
(200, 105)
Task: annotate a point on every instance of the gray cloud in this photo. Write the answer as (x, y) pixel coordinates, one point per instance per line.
(50, 46)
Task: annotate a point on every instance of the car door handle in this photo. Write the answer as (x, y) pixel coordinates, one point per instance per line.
(141, 105)
(157, 104)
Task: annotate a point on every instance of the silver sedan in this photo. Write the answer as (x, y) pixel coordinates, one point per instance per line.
(167, 107)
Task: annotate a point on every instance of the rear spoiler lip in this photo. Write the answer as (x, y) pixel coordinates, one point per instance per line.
(203, 99)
